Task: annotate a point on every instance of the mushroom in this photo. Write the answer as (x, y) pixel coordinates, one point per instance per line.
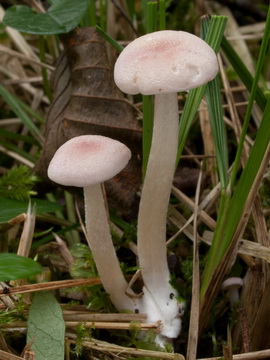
(87, 161)
(232, 285)
(162, 63)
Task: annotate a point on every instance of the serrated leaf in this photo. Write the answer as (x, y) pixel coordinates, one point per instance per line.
(62, 17)
(13, 267)
(46, 327)
(9, 208)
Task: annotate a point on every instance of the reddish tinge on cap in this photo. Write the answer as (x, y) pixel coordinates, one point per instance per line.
(88, 160)
(165, 62)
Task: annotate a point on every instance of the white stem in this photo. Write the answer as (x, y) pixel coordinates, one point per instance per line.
(152, 250)
(100, 242)
(156, 193)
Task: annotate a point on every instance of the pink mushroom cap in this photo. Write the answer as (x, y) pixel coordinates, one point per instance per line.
(233, 282)
(88, 160)
(165, 62)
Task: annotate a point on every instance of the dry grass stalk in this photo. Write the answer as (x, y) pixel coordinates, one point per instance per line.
(27, 233)
(209, 149)
(88, 316)
(49, 286)
(17, 157)
(256, 355)
(245, 247)
(94, 325)
(18, 39)
(231, 253)
(195, 299)
(28, 59)
(8, 356)
(115, 325)
(104, 347)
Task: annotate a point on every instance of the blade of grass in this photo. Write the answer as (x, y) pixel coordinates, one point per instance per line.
(131, 8)
(148, 100)
(195, 299)
(254, 89)
(31, 112)
(108, 38)
(17, 109)
(213, 38)
(230, 216)
(103, 13)
(162, 15)
(18, 137)
(148, 113)
(17, 150)
(213, 97)
(242, 71)
(231, 209)
(90, 18)
(45, 82)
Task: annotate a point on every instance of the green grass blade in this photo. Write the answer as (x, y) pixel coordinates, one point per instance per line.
(18, 150)
(108, 38)
(214, 36)
(18, 137)
(148, 114)
(213, 97)
(152, 16)
(148, 103)
(248, 175)
(234, 206)
(254, 89)
(17, 109)
(162, 15)
(231, 208)
(40, 119)
(242, 71)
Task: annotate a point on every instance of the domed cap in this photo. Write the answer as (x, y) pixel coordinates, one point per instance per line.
(165, 62)
(87, 160)
(236, 282)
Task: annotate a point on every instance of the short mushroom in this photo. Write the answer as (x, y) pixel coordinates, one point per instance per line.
(162, 63)
(232, 285)
(87, 161)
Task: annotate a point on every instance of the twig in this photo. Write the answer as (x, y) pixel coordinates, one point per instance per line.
(117, 350)
(263, 354)
(49, 286)
(14, 53)
(8, 356)
(111, 317)
(115, 325)
(195, 300)
(17, 157)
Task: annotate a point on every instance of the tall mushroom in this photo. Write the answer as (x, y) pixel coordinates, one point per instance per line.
(162, 63)
(87, 161)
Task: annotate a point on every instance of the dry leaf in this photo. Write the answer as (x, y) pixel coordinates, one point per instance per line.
(87, 101)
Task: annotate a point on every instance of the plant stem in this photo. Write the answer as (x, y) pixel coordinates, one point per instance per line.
(100, 242)
(156, 193)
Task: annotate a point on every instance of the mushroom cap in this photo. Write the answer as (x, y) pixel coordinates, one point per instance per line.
(88, 160)
(235, 282)
(164, 62)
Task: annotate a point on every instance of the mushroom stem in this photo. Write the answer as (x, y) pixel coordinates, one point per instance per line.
(155, 195)
(233, 295)
(100, 242)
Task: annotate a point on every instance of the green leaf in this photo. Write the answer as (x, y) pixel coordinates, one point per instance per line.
(11, 208)
(62, 17)
(46, 327)
(13, 267)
